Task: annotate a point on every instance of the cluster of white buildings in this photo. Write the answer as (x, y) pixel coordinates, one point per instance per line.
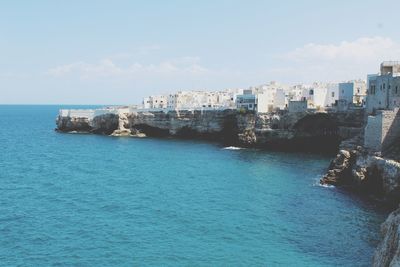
(192, 100)
(266, 97)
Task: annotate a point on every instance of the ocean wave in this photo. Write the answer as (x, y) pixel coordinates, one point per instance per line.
(317, 183)
(325, 185)
(232, 148)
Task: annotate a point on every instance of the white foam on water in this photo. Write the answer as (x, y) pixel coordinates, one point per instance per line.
(325, 185)
(317, 183)
(232, 148)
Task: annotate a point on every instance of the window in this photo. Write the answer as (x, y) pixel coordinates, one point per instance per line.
(342, 91)
(384, 86)
(396, 88)
(333, 94)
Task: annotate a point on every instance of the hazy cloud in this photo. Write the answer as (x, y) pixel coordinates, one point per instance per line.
(362, 49)
(344, 60)
(109, 68)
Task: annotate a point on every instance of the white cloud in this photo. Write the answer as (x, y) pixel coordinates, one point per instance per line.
(109, 68)
(312, 62)
(344, 60)
(362, 49)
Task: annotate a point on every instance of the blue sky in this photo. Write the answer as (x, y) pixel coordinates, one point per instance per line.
(116, 52)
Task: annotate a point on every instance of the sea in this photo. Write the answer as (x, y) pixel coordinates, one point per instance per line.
(92, 200)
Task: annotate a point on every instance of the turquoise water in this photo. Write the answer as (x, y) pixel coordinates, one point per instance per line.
(86, 200)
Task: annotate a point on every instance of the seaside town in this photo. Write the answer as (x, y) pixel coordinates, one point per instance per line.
(378, 96)
(357, 119)
(382, 90)
(200, 133)
(267, 97)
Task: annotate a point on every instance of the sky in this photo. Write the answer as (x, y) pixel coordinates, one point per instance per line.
(117, 52)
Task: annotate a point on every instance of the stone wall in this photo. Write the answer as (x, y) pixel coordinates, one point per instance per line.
(297, 106)
(382, 130)
(373, 133)
(390, 128)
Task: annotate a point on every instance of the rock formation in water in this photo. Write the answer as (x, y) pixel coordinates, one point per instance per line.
(376, 174)
(364, 171)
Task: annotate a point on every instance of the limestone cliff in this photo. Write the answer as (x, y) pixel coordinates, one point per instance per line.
(307, 131)
(372, 174)
(103, 124)
(364, 171)
(218, 125)
(388, 251)
(279, 130)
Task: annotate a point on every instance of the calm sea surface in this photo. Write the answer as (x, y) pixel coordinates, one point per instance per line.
(87, 200)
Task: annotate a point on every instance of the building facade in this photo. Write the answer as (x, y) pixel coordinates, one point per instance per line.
(353, 92)
(384, 88)
(382, 106)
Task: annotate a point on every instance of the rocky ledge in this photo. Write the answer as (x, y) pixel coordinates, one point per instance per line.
(281, 130)
(378, 176)
(364, 171)
(388, 251)
(103, 124)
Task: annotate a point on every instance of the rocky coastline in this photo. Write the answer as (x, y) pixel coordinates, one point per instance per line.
(376, 175)
(353, 167)
(303, 131)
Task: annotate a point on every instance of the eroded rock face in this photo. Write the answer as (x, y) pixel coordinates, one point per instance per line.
(103, 124)
(67, 124)
(365, 172)
(214, 125)
(279, 130)
(388, 251)
(371, 173)
(339, 169)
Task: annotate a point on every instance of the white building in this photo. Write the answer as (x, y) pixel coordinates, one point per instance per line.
(274, 95)
(156, 101)
(382, 104)
(246, 101)
(384, 88)
(299, 92)
(280, 99)
(353, 92)
(322, 94)
(202, 99)
(257, 100)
